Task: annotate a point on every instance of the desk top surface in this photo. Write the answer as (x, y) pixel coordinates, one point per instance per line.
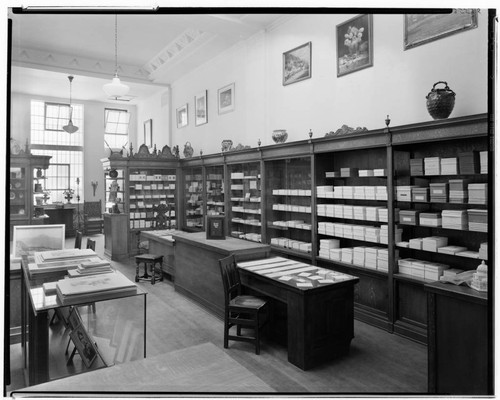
(227, 245)
(296, 274)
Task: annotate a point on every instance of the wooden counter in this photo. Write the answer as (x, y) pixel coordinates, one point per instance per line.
(460, 347)
(162, 243)
(197, 273)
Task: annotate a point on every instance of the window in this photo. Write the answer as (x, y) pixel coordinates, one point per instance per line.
(116, 128)
(66, 150)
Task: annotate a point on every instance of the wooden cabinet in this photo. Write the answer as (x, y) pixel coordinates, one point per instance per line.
(26, 189)
(460, 355)
(115, 242)
(139, 182)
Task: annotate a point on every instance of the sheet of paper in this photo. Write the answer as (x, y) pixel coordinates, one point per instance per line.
(285, 278)
(304, 274)
(326, 281)
(304, 284)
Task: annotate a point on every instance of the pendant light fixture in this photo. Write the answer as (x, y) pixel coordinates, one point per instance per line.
(116, 88)
(70, 128)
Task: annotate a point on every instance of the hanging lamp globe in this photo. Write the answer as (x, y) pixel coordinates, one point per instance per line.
(70, 128)
(116, 88)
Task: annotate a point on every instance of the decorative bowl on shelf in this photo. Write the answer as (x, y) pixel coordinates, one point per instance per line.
(280, 135)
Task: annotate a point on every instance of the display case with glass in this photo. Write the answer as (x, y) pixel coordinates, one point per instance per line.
(193, 199)
(244, 212)
(288, 204)
(214, 183)
(114, 189)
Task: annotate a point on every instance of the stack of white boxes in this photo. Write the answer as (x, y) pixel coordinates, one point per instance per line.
(325, 245)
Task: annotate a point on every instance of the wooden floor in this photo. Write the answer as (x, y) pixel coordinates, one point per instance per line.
(379, 362)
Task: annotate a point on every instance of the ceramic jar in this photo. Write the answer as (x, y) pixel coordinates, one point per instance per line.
(280, 135)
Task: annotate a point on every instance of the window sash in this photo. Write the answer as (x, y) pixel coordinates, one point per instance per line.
(56, 116)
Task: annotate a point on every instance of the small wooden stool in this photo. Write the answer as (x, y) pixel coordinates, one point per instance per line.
(149, 260)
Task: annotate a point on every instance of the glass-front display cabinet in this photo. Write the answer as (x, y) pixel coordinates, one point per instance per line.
(193, 199)
(214, 184)
(288, 204)
(27, 189)
(244, 214)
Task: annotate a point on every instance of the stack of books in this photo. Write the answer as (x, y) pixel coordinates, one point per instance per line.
(433, 243)
(483, 160)
(430, 219)
(358, 232)
(372, 213)
(91, 268)
(451, 249)
(359, 212)
(432, 166)
(358, 257)
(332, 174)
(366, 172)
(468, 162)
(416, 166)
(348, 172)
(483, 251)
(433, 271)
(454, 219)
(379, 172)
(381, 192)
(458, 192)
(371, 257)
(370, 193)
(383, 260)
(449, 166)
(478, 193)
(346, 255)
(359, 192)
(325, 245)
(478, 220)
(94, 288)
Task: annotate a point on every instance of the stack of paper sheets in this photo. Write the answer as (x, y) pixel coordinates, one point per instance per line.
(468, 163)
(433, 243)
(478, 193)
(451, 249)
(416, 166)
(483, 159)
(449, 166)
(478, 220)
(455, 219)
(432, 166)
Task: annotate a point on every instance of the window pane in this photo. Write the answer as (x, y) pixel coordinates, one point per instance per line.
(116, 124)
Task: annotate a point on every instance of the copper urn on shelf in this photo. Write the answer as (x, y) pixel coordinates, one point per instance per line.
(440, 102)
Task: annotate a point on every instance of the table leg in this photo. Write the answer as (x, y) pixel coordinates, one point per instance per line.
(38, 353)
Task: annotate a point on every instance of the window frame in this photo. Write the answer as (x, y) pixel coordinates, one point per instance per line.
(47, 104)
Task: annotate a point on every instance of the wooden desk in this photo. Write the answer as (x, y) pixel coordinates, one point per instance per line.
(197, 273)
(320, 318)
(35, 307)
(460, 351)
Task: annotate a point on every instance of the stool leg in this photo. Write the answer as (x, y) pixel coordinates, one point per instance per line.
(153, 275)
(146, 276)
(161, 271)
(137, 271)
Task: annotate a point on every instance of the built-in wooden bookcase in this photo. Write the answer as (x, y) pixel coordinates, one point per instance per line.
(288, 205)
(193, 198)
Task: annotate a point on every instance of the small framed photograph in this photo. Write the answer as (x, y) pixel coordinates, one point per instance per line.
(297, 64)
(200, 109)
(84, 345)
(215, 227)
(225, 99)
(181, 115)
(354, 44)
(74, 317)
(424, 28)
(148, 133)
(28, 239)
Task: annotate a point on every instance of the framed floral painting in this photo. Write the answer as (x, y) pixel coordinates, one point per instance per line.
(354, 44)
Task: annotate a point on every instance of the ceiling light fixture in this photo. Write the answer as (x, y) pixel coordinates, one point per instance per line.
(70, 128)
(116, 88)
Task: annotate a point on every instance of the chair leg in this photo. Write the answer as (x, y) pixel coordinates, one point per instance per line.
(137, 271)
(257, 335)
(153, 274)
(226, 331)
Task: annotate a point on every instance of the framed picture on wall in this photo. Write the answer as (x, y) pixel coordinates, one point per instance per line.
(354, 44)
(200, 109)
(148, 133)
(225, 99)
(297, 64)
(424, 28)
(181, 116)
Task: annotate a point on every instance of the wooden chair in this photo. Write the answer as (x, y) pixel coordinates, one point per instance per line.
(93, 221)
(78, 239)
(91, 244)
(241, 310)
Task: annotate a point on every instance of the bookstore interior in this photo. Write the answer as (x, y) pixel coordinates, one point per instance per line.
(195, 206)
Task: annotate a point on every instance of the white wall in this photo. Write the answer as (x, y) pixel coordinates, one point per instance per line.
(395, 85)
(156, 108)
(94, 148)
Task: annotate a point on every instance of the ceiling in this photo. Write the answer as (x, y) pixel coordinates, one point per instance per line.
(154, 49)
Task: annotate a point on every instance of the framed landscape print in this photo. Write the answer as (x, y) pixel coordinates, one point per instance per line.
(354, 44)
(225, 99)
(200, 109)
(425, 28)
(181, 116)
(27, 239)
(297, 64)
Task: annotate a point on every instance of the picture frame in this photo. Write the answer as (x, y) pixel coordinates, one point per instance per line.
(297, 64)
(225, 99)
(420, 29)
(74, 317)
(215, 227)
(148, 133)
(28, 239)
(354, 44)
(84, 344)
(181, 116)
(200, 108)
